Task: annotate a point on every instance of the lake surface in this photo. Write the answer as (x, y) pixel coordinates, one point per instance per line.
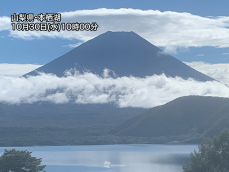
(119, 158)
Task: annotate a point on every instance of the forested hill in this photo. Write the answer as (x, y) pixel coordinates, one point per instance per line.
(185, 119)
(193, 116)
(38, 115)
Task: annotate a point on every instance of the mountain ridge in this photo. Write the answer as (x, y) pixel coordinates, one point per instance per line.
(194, 115)
(126, 53)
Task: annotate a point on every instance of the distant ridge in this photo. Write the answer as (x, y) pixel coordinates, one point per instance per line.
(126, 53)
(190, 117)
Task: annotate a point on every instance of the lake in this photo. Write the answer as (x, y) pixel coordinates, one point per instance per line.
(117, 158)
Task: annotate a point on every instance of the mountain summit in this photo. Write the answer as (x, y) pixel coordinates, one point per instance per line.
(126, 53)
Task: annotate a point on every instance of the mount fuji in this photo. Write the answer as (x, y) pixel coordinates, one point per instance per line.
(125, 53)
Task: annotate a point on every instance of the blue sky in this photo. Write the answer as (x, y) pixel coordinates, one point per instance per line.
(43, 50)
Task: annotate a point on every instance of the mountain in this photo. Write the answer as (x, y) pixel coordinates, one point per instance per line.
(7, 115)
(38, 115)
(186, 119)
(60, 124)
(126, 53)
(192, 116)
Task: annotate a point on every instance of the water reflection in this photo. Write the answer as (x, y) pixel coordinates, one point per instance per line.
(123, 158)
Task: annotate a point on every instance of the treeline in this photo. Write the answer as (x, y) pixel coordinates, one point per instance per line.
(19, 136)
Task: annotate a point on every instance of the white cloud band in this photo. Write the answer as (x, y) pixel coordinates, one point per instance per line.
(90, 88)
(218, 71)
(16, 70)
(166, 29)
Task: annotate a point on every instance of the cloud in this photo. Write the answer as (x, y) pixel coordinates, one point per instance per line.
(15, 70)
(171, 49)
(5, 23)
(72, 45)
(159, 53)
(90, 88)
(225, 53)
(164, 29)
(218, 71)
(200, 55)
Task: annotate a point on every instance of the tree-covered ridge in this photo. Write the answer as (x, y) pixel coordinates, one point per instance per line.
(191, 117)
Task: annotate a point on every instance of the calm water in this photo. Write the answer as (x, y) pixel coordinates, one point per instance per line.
(122, 158)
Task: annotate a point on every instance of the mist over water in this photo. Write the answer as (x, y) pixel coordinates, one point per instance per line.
(123, 158)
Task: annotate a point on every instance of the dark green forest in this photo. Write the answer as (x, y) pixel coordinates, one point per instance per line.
(184, 120)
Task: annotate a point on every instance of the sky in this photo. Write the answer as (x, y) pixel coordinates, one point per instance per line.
(198, 30)
(195, 32)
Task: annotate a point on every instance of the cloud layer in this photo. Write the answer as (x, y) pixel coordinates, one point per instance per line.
(90, 88)
(166, 29)
(218, 71)
(16, 70)
(122, 91)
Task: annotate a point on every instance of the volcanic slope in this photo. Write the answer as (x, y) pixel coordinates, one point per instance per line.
(190, 115)
(126, 53)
